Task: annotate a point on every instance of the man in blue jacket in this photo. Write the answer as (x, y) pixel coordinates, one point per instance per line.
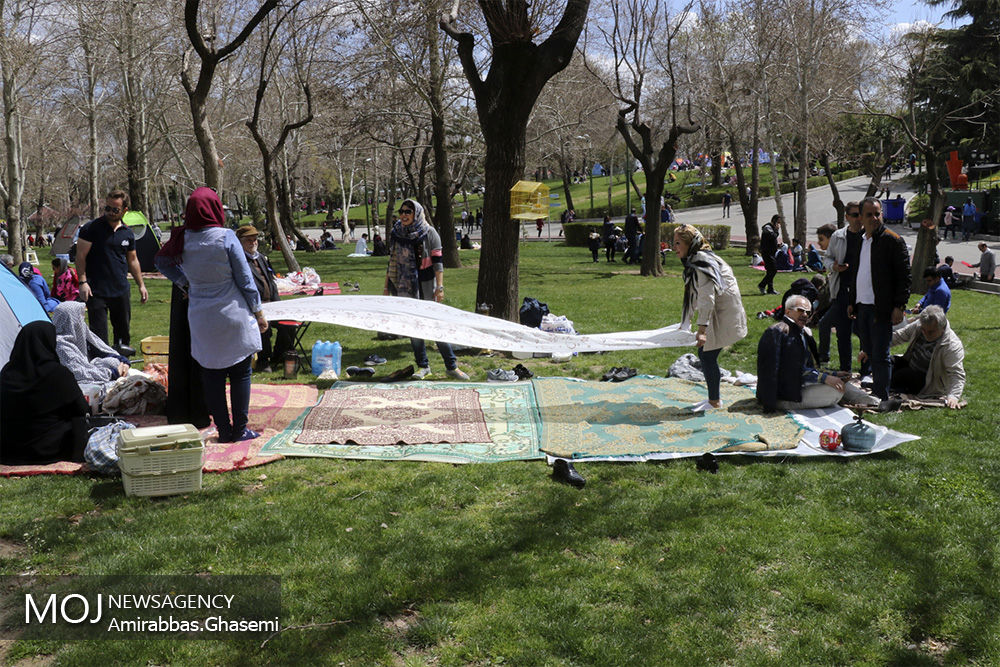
(937, 293)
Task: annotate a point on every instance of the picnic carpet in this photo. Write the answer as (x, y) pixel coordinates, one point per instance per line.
(272, 408)
(649, 415)
(506, 410)
(410, 415)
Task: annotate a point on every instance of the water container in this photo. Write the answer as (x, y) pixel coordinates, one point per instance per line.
(335, 353)
(320, 357)
(858, 436)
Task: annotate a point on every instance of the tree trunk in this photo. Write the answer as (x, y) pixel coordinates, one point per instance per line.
(14, 177)
(390, 197)
(717, 170)
(498, 263)
(838, 204)
(776, 184)
(271, 209)
(927, 238)
(748, 203)
(651, 264)
(444, 219)
(801, 185)
(211, 164)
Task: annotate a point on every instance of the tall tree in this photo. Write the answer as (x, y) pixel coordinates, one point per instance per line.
(203, 43)
(518, 70)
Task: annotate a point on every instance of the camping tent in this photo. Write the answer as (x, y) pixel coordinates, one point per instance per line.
(66, 236)
(146, 244)
(18, 306)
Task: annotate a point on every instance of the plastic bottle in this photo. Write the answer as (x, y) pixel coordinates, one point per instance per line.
(335, 354)
(320, 357)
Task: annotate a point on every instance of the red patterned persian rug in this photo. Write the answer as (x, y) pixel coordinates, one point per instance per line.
(414, 415)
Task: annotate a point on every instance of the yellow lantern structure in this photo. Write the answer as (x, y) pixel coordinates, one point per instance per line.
(529, 201)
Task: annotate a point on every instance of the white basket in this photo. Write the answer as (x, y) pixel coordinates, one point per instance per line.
(160, 460)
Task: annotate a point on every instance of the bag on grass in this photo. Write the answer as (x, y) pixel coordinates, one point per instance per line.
(101, 454)
(532, 312)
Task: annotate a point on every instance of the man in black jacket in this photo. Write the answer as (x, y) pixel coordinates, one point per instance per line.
(881, 290)
(768, 246)
(632, 236)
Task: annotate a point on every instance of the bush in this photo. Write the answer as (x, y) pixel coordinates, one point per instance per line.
(576, 233)
(717, 235)
(919, 208)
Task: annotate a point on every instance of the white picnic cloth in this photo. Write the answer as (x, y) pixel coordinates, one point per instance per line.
(435, 321)
(814, 421)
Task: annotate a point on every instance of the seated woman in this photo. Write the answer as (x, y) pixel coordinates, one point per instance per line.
(43, 415)
(65, 283)
(87, 357)
(379, 249)
(37, 285)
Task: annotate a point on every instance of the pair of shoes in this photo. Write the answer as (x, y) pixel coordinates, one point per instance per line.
(360, 371)
(563, 471)
(422, 372)
(607, 377)
(707, 463)
(500, 375)
(374, 360)
(247, 434)
(400, 374)
(457, 374)
(623, 374)
(523, 373)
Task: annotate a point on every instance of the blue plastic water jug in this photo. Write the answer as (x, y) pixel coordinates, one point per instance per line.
(320, 356)
(335, 353)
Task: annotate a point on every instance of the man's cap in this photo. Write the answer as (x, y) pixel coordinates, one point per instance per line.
(246, 231)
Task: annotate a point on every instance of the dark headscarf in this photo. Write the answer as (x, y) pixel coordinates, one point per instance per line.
(25, 271)
(32, 360)
(204, 209)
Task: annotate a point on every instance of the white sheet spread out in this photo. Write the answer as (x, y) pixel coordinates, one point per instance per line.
(435, 321)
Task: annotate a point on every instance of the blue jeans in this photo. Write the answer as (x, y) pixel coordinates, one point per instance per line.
(876, 337)
(710, 367)
(420, 353)
(239, 394)
(836, 317)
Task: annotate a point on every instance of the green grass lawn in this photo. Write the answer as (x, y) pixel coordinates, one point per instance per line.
(886, 559)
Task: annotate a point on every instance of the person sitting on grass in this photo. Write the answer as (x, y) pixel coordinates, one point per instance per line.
(787, 378)
(933, 365)
(36, 283)
(88, 358)
(937, 293)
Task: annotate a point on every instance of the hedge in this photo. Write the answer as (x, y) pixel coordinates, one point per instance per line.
(576, 233)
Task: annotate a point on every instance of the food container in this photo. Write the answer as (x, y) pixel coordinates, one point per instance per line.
(160, 460)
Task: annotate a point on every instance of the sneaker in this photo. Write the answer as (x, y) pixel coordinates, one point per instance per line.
(523, 373)
(500, 375)
(374, 360)
(247, 435)
(457, 374)
(360, 371)
(422, 372)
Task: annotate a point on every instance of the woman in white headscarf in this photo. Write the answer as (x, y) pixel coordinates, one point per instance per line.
(710, 289)
(416, 271)
(89, 358)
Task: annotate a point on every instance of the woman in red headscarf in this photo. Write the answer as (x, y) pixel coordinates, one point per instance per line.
(205, 260)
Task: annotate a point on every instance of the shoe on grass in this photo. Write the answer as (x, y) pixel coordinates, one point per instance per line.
(360, 371)
(457, 374)
(500, 375)
(523, 373)
(563, 471)
(422, 372)
(374, 360)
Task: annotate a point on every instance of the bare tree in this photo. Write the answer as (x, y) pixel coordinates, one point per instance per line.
(518, 71)
(273, 50)
(203, 40)
(642, 34)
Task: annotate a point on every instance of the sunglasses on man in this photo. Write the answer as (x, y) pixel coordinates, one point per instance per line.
(112, 209)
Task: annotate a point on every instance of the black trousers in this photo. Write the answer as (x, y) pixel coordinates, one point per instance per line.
(283, 343)
(905, 378)
(771, 270)
(120, 310)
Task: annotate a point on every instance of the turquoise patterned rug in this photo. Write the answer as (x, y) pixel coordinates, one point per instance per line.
(644, 415)
(508, 410)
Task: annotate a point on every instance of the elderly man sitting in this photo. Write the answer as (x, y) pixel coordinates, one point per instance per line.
(932, 365)
(786, 371)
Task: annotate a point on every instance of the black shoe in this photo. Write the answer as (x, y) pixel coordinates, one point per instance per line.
(523, 373)
(610, 374)
(707, 462)
(623, 374)
(360, 371)
(374, 360)
(563, 471)
(125, 350)
(890, 405)
(761, 290)
(771, 291)
(400, 374)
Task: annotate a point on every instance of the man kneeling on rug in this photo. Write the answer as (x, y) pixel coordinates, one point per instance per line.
(787, 377)
(932, 366)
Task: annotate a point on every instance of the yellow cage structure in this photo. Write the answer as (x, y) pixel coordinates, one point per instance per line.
(529, 201)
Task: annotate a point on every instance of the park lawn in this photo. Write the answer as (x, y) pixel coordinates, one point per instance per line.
(886, 559)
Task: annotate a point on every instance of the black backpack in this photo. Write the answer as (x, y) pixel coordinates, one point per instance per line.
(532, 312)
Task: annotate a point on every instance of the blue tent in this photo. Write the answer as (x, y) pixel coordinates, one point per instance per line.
(18, 306)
